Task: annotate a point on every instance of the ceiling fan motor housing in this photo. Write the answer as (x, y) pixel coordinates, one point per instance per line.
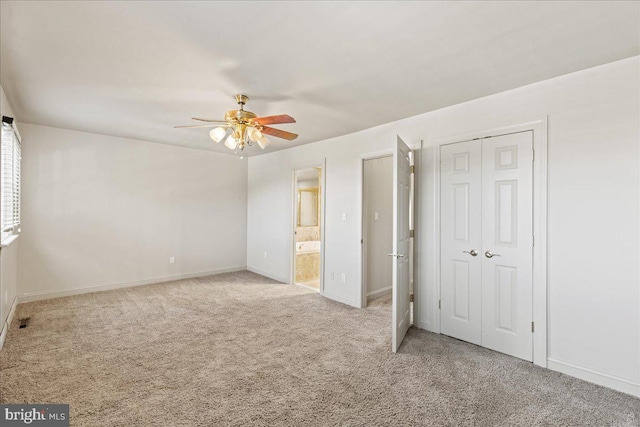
(239, 116)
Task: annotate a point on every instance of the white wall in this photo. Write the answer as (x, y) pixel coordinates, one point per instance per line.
(99, 211)
(593, 210)
(378, 234)
(8, 256)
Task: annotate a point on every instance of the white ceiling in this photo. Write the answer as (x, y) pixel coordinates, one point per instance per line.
(135, 69)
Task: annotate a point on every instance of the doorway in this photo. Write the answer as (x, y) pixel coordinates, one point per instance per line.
(377, 228)
(307, 259)
(401, 204)
(486, 242)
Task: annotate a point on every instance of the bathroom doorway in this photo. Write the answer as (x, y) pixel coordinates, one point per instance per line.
(308, 212)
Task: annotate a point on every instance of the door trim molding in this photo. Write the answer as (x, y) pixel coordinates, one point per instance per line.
(539, 127)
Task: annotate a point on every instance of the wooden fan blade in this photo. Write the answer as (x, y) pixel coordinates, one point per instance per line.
(207, 120)
(274, 120)
(198, 126)
(279, 133)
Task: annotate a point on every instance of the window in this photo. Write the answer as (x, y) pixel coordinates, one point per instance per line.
(10, 158)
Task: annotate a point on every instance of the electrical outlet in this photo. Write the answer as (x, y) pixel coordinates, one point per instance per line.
(344, 278)
(344, 216)
(333, 276)
(266, 255)
(172, 260)
(375, 216)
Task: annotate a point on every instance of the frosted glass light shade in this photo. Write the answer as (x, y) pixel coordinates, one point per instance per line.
(255, 134)
(231, 143)
(263, 142)
(217, 134)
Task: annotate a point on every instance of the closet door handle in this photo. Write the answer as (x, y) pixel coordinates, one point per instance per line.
(472, 252)
(488, 254)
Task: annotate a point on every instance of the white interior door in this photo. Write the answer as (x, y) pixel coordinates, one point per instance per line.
(461, 241)
(507, 238)
(486, 247)
(401, 242)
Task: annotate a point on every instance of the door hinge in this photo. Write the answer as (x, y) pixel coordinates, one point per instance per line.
(361, 241)
(411, 298)
(410, 233)
(412, 168)
(533, 326)
(439, 304)
(533, 159)
(533, 240)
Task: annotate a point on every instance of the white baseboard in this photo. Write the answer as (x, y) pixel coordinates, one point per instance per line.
(379, 292)
(269, 275)
(343, 300)
(595, 377)
(36, 296)
(420, 324)
(7, 324)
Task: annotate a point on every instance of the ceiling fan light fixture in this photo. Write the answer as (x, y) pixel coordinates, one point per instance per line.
(231, 143)
(263, 142)
(241, 128)
(218, 134)
(255, 134)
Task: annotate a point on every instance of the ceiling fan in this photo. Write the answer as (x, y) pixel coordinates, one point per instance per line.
(240, 128)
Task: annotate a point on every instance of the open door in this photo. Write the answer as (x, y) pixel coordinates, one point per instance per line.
(401, 241)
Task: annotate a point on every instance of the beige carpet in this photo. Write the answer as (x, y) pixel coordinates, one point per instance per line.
(238, 349)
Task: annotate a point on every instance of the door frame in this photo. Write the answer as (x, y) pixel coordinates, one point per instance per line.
(294, 218)
(540, 302)
(417, 150)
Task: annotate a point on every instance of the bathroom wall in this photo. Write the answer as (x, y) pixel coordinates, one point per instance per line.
(308, 263)
(307, 267)
(307, 234)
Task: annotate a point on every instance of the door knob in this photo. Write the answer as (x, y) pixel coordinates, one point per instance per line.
(472, 252)
(488, 254)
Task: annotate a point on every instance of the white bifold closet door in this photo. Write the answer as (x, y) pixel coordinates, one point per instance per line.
(461, 241)
(487, 242)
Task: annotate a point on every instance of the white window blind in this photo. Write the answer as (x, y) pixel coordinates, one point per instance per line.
(10, 158)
